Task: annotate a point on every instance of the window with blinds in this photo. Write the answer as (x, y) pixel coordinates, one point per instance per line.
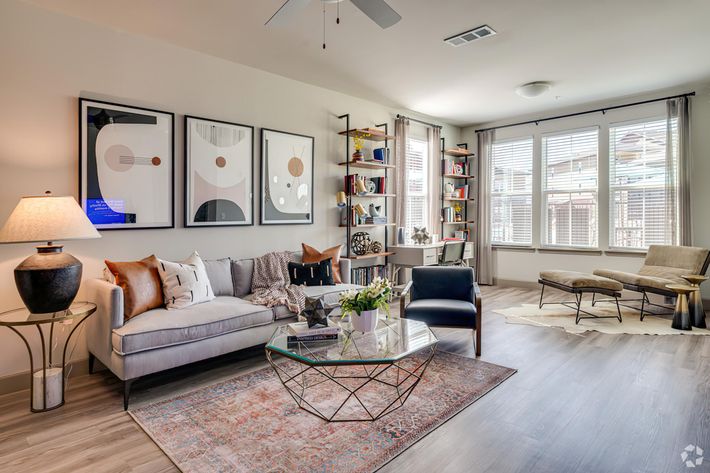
(641, 190)
(511, 192)
(417, 189)
(569, 188)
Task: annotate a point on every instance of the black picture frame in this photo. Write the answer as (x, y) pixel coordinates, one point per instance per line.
(87, 171)
(186, 181)
(264, 177)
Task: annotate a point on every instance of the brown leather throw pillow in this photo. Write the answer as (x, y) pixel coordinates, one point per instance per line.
(311, 255)
(140, 281)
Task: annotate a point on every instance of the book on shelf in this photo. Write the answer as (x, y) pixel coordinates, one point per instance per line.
(448, 214)
(365, 274)
(451, 166)
(461, 192)
(461, 235)
(375, 220)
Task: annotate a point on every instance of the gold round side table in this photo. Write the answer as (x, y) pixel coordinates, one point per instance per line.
(695, 300)
(681, 314)
(77, 313)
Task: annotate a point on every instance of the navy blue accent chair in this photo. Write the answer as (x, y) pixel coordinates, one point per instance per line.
(444, 296)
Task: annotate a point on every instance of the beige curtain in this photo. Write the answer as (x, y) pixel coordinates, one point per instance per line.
(434, 179)
(401, 131)
(484, 252)
(678, 173)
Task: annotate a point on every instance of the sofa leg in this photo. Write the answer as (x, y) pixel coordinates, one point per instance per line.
(92, 359)
(127, 392)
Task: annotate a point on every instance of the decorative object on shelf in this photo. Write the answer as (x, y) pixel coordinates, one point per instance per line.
(374, 210)
(360, 210)
(375, 247)
(344, 214)
(316, 312)
(286, 178)
(360, 187)
(219, 173)
(449, 189)
(126, 166)
(48, 280)
(458, 169)
(401, 235)
(371, 186)
(458, 208)
(380, 155)
(358, 143)
(360, 243)
(421, 236)
(695, 300)
(363, 306)
(341, 199)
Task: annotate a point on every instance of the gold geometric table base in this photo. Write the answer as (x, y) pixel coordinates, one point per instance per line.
(353, 391)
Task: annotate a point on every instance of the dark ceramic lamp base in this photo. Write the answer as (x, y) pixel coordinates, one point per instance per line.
(48, 280)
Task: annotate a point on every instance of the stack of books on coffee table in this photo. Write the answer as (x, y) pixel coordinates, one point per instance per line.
(300, 332)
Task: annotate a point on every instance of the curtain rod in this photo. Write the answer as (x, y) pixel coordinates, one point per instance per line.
(433, 125)
(603, 110)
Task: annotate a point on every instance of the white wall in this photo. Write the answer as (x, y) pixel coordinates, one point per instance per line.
(48, 60)
(521, 266)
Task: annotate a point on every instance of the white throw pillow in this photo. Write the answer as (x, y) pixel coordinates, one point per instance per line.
(195, 260)
(184, 284)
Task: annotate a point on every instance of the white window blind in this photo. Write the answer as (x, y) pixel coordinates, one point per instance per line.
(641, 200)
(417, 189)
(511, 192)
(569, 188)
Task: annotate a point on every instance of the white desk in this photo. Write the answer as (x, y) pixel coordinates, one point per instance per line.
(408, 256)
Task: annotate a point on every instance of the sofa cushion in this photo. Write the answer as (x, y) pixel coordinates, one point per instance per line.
(443, 312)
(635, 279)
(242, 271)
(311, 255)
(577, 280)
(159, 328)
(141, 284)
(311, 274)
(184, 284)
(219, 272)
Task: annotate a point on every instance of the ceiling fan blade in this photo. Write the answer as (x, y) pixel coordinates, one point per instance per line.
(378, 11)
(287, 10)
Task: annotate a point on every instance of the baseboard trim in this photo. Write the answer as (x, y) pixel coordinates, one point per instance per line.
(21, 381)
(516, 283)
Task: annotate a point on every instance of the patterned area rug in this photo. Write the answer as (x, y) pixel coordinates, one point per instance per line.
(251, 424)
(555, 315)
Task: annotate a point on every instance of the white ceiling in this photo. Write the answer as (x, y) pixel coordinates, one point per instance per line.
(589, 50)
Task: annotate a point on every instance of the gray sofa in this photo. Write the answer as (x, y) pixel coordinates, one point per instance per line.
(159, 339)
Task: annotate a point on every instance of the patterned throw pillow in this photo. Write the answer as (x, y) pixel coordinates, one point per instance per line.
(184, 284)
(311, 255)
(311, 274)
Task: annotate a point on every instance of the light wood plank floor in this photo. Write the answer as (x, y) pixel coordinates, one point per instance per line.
(592, 403)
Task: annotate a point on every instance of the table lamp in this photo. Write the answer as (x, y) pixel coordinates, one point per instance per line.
(48, 280)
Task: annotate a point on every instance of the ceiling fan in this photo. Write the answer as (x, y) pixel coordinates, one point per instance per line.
(377, 10)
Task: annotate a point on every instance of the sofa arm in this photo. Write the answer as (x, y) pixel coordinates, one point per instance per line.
(345, 265)
(109, 315)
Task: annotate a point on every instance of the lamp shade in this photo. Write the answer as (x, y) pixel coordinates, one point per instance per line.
(47, 218)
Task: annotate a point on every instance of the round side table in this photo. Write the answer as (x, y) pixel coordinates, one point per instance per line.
(695, 300)
(52, 389)
(681, 314)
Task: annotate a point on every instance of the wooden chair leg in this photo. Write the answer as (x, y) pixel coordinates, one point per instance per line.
(92, 359)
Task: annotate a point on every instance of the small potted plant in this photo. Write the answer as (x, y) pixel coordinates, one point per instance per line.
(359, 143)
(364, 306)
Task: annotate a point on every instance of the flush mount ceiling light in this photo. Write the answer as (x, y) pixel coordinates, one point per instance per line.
(533, 89)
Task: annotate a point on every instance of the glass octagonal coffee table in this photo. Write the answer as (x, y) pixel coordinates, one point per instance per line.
(358, 377)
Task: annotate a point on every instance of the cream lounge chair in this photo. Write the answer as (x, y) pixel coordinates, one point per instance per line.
(664, 264)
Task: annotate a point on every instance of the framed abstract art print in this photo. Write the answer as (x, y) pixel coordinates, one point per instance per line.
(286, 178)
(126, 166)
(219, 170)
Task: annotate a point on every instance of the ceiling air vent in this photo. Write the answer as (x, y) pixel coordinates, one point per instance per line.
(470, 35)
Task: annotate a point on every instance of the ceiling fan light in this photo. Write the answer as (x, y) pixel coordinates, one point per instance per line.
(533, 89)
